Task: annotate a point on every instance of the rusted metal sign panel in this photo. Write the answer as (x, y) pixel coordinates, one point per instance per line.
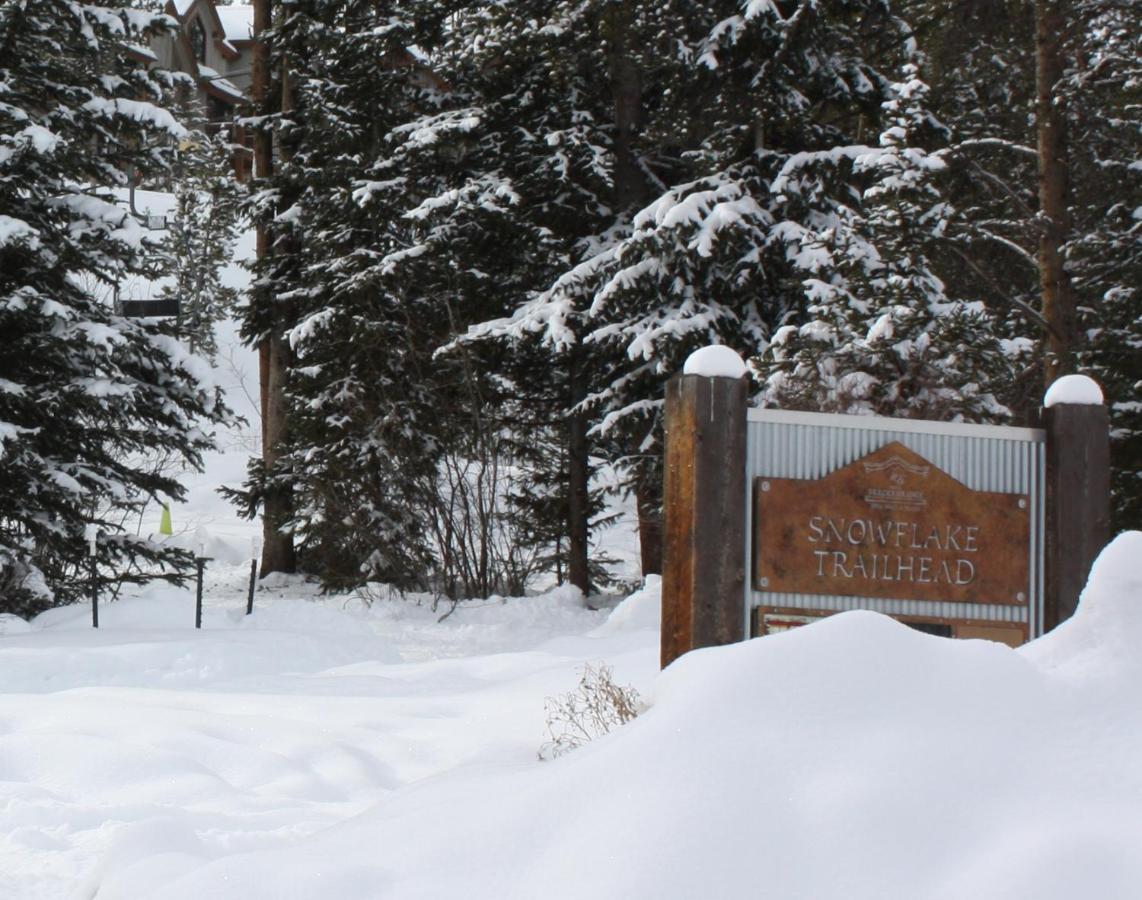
(891, 525)
(808, 447)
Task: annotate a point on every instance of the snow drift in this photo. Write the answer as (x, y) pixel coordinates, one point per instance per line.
(854, 758)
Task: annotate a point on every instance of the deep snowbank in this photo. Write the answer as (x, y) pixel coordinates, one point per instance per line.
(851, 759)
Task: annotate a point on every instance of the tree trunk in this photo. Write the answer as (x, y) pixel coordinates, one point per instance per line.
(277, 546)
(632, 192)
(648, 496)
(631, 189)
(578, 485)
(1056, 295)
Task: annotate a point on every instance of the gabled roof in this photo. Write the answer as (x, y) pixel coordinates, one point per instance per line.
(237, 23)
(234, 22)
(230, 26)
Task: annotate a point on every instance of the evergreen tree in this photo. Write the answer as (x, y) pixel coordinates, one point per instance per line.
(498, 228)
(1104, 255)
(415, 198)
(360, 407)
(85, 395)
(201, 237)
(749, 114)
(884, 334)
(553, 130)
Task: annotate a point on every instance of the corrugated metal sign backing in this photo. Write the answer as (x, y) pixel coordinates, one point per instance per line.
(784, 444)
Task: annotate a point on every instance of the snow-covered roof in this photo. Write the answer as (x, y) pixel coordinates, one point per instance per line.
(221, 83)
(181, 6)
(142, 52)
(237, 22)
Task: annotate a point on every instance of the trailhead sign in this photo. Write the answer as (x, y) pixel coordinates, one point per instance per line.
(890, 524)
(774, 519)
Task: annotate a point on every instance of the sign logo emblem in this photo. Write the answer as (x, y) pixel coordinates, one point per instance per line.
(899, 473)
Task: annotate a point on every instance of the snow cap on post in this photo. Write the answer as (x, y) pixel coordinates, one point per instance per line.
(1076, 390)
(717, 361)
(201, 539)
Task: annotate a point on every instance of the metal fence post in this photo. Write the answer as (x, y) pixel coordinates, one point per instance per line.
(91, 535)
(200, 564)
(255, 553)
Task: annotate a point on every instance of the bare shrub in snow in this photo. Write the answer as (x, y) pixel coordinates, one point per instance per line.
(591, 710)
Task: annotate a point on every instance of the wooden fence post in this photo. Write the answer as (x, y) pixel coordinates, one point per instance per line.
(1078, 500)
(703, 578)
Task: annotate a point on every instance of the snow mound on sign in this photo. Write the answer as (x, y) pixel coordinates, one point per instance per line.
(1079, 390)
(717, 361)
(852, 758)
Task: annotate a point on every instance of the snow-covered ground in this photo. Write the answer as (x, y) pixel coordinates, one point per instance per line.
(324, 749)
(145, 751)
(358, 748)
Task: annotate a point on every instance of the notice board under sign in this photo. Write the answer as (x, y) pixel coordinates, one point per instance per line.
(890, 525)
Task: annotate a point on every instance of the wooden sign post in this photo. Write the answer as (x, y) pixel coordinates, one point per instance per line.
(703, 575)
(1078, 501)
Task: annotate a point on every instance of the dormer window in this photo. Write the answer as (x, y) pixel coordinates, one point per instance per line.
(198, 40)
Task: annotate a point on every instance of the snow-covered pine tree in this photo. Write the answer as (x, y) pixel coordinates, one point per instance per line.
(361, 403)
(884, 335)
(201, 236)
(742, 94)
(560, 91)
(86, 396)
(1104, 256)
(567, 94)
(979, 60)
(434, 190)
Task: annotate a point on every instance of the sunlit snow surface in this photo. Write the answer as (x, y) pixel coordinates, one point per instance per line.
(315, 751)
(131, 755)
